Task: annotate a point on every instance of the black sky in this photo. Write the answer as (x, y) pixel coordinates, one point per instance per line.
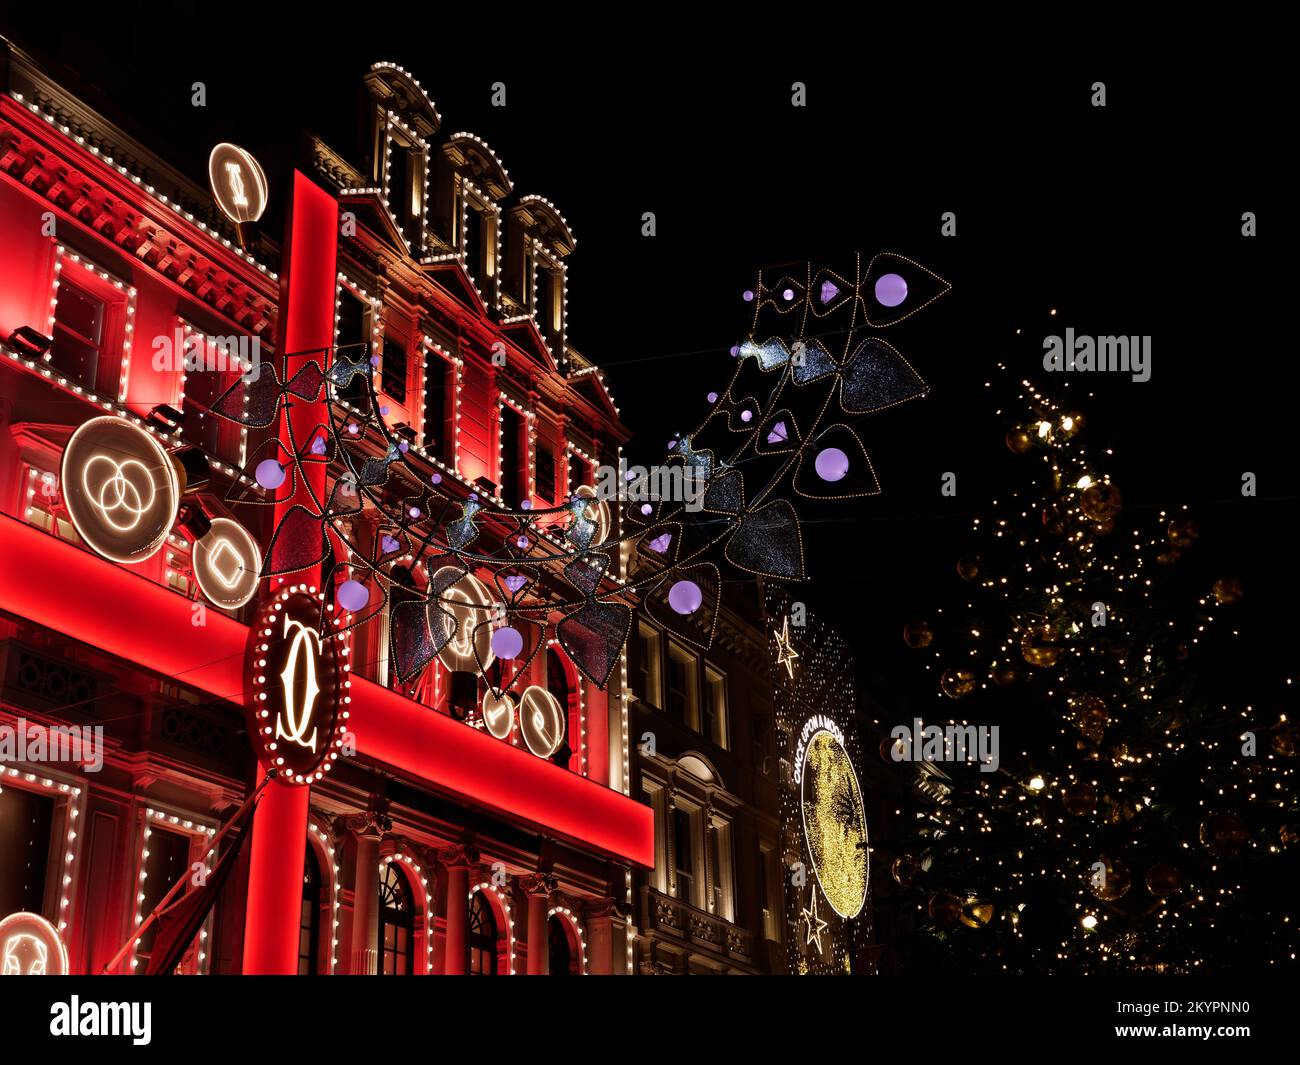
(1125, 219)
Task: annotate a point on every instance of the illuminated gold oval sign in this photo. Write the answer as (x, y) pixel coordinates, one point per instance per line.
(238, 183)
(298, 684)
(120, 487)
(498, 714)
(227, 564)
(468, 602)
(834, 820)
(31, 946)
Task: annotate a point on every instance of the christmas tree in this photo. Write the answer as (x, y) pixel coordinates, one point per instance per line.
(1137, 810)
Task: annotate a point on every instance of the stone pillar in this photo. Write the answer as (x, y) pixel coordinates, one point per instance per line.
(538, 887)
(607, 932)
(368, 828)
(458, 861)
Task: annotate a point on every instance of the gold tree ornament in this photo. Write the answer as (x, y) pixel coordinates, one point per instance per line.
(1004, 676)
(903, 870)
(1020, 440)
(957, 683)
(1079, 798)
(1108, 879)
(1183, 531)
(1224, 834)
(976, 913)
(945, 909)
(968, 569)
(918, 634)
(1228, 591)
(1101, 502)
(1089, 714)
(1040, 646)
(1163, 879)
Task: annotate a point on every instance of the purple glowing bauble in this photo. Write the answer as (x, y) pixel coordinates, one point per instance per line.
(527, 504)
(749, 295)
(832, 464)
(353, 596)
(436, 478)
(778, 434)
(414, 512)
(829, 291)
(389, 544)
(318, 446)
(712, 397)
(374, 360)
(629, 476)
(383, 409)
(647, 509)
(735, 351)
(746, 415)
(516, 581)
(672, 445)
(353, 429)
(891, 290)
(403, 447)
(522, 542)
(270, 474)
(788, 295)
(507, 643)
(660, 543)
(685, 597)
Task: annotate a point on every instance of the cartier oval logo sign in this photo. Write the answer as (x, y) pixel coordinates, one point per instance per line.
(298, 688)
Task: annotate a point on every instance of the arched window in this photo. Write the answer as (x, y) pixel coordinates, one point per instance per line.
(309, 920)
(396, 924)
(482, 937)
(558, 684)
(563, 957)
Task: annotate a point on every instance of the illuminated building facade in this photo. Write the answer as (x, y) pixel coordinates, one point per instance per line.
(444, 845)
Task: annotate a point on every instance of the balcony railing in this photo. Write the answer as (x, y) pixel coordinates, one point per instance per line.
(674, 919)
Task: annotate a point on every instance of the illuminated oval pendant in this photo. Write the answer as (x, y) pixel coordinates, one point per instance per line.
(227, 564)
(541, 721)
(834, 820)
(498, 714)
(298, 686)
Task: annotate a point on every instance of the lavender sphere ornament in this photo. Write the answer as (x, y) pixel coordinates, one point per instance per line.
(353, 596)
(891, 290)
(685, 597)
(270, 474)
(832, 464)
(507, 643)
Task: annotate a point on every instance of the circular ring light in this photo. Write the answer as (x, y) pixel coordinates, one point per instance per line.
(498, 714)
(227, 564)
(470, 604)
(31, 946)
(541, 720)
(121, 488)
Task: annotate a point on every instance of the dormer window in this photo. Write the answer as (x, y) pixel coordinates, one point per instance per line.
(404, 185)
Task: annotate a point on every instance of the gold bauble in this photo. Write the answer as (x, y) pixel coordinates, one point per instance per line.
(976, 913)
(1288, 834)
(904, 870)
(957, 683)
(1183, 531)
(1101, 502)
(1020, 440)
(1055, 519)
(1040, 647)
(1111, 882)
(1089, 714)
(1285, 739)
(945, 909)
(968, 568)
(1004, 676)
(1163, 879)
(918, 634)
(889, 747)
(1079, 798)
(1224, 834)
(1228, 590)
(1071, 422)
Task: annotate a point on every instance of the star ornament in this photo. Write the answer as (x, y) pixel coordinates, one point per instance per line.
(815, 925)
(785, 652)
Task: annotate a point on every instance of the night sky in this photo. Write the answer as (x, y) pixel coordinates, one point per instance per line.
(1125, 219)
